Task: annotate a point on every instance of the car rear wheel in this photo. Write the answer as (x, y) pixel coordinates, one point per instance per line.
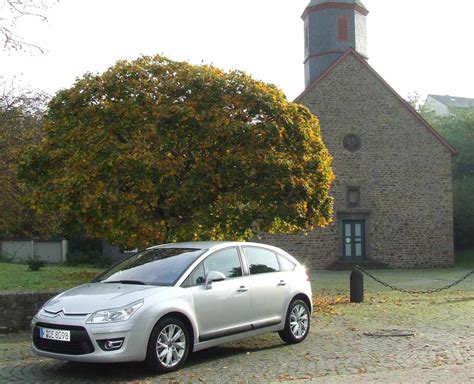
(297, 323)
(169, 345)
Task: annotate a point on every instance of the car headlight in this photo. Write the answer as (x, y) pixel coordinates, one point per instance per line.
(114, 315)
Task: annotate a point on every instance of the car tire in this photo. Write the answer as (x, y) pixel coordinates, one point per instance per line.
(169, 345)
(297, 323)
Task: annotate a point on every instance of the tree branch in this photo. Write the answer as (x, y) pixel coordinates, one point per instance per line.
(11, 11)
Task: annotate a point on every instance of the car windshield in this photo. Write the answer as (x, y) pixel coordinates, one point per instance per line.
(159, 266)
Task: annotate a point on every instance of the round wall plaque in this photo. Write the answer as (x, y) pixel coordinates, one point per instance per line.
(351, 142)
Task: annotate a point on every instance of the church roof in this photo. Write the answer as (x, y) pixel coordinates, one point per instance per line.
(319, 2)
(315, 5)
(410, 109)
(454, 101)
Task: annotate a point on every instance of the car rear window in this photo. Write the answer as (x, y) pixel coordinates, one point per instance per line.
(285, 264)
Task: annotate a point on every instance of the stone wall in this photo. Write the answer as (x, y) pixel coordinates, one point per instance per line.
(17, 309)
(402, 170)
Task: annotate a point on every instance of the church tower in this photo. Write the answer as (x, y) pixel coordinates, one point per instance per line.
(332, 27)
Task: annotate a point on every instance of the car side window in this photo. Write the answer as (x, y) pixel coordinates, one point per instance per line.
(226, 261)
(197, 277)
(285, 264)
(261, 260)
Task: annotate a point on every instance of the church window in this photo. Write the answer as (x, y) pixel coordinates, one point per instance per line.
(351, 142)
(342, 28)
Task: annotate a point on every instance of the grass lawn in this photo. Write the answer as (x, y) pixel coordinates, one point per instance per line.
(16, 277)
(337, 282)
(331, 294)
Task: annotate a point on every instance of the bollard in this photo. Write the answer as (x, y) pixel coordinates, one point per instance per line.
(357, 286)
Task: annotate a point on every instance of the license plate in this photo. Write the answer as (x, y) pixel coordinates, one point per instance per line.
(55, 334)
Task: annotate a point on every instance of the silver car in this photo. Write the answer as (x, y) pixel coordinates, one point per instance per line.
(162, 304)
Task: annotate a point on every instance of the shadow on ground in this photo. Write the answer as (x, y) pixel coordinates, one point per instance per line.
(71, 371)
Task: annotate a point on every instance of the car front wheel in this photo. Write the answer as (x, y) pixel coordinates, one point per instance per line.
(297, 323)
(169, 345)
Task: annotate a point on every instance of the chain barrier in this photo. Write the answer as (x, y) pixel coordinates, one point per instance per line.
(414, 291)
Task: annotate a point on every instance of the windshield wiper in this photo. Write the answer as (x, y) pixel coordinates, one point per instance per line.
(137, 282)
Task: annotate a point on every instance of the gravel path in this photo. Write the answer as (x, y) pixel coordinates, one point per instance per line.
(336, 351)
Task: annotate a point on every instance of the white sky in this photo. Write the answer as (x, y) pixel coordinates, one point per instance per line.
(416, 45)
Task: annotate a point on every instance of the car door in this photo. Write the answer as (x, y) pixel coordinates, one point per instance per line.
(224, 309)
(268, 286)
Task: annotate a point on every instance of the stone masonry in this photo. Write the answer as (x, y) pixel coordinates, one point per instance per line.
(402, 171)
(17, 309)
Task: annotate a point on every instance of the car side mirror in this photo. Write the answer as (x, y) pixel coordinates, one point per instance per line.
(213, 276)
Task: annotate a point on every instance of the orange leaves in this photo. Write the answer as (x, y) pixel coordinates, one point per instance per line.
(21, 114)
(155, 150)
(326, 304)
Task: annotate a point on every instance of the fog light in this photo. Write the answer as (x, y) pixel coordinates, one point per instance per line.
(111, 344)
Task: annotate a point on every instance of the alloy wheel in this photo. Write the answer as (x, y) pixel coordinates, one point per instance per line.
(171, 345)
(299, 321)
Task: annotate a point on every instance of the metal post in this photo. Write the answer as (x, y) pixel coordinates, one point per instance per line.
(357, 286)
(64, 247)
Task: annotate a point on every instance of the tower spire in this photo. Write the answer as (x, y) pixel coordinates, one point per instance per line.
(332, 27)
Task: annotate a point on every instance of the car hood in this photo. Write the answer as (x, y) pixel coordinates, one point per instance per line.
(93, 297)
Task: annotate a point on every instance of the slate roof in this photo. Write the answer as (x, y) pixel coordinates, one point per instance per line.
(454, 101)
(318, 2)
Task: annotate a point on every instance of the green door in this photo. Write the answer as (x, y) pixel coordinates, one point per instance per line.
(353, 240)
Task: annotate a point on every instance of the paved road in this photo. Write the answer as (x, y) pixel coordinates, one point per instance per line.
(336, 351)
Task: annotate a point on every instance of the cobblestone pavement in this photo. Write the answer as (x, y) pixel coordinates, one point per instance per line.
(336, 350)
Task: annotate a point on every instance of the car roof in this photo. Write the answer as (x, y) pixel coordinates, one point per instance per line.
(212, 245)
(196, 244)
(216, 245)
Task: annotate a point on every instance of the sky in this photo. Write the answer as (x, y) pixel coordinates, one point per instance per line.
(422, 46)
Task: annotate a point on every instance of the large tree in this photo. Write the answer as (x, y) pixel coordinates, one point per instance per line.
(21, 112)
(155, 150)
(458, 129)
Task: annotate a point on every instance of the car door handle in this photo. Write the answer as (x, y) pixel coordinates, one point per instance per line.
(242, 289)
(282, 283)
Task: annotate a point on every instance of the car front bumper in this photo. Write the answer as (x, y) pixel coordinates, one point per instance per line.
(85, 344)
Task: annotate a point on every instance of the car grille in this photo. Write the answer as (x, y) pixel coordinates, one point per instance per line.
(80, 343)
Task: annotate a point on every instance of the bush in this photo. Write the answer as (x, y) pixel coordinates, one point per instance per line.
(91, 257)
(6, 258)
(86, 251)
(35, 263)
(464, 213)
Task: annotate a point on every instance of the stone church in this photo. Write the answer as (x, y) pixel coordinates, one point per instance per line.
(393, 187)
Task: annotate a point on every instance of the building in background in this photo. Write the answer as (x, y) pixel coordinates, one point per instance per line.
(441, 105)
(393, 187)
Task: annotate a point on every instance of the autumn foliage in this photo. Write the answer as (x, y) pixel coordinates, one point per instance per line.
(155, 151)
(21, 112)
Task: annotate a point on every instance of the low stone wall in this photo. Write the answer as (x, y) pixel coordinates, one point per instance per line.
(17, 309)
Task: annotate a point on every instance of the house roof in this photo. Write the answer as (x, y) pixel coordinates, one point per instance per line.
(410, 109)
(454, 101)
